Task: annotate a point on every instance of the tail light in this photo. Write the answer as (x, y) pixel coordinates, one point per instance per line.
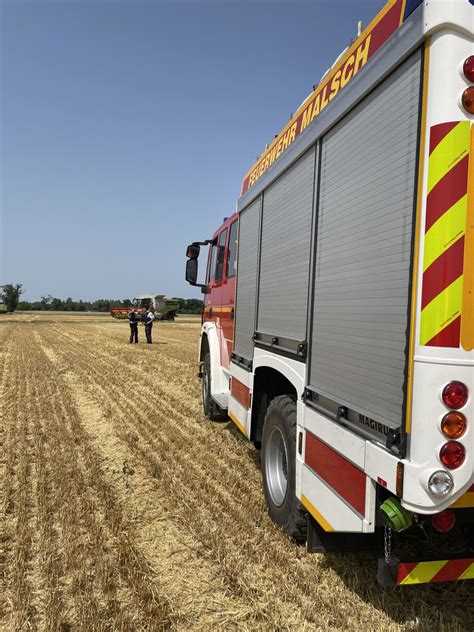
(453, 425)
(455, 394)
(467, 99)
(444, 521)
(468, 68)
(452, 454)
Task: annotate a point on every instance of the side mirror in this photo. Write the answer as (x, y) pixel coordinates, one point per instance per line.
(191, 271)
(192, 251)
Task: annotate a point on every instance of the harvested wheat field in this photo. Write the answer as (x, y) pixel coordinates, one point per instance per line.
(123, 508)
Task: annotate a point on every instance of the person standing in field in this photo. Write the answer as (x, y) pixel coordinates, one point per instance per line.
(133, 318)
(149, 318)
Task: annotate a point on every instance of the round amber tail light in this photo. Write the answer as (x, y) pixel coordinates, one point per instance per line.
(453, 425)
(467, 99)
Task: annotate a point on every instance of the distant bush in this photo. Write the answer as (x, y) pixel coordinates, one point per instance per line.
(53, 304)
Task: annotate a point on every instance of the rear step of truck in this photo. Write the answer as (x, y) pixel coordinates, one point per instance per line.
(222, 400)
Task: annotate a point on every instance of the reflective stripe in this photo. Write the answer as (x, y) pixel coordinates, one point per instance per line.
(435, 571)
(447, 154)
(466, 501)
(441, 312)
(445, 232)
(238, 424)
(423, 572)
(316, 515)
(469, 573)
(444, 261)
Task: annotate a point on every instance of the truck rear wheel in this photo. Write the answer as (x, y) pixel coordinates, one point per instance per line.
(211, 409)
(279, 467)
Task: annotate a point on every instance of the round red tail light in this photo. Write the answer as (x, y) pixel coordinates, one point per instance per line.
(468, 68)
(452, 454)
(455, 395)
(444, 521)
(467, 99)
(453, 425)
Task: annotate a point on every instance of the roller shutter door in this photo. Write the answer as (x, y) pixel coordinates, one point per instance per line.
(364, 235)
(285, 250)
(247, 261)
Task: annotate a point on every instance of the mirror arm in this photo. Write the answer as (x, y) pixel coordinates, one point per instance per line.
(202, 243)
(201, 285)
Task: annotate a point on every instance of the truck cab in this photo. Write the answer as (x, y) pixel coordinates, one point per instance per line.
(217, 334)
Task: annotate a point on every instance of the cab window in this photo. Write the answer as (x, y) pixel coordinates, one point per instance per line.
(212, 261)
(232, 251)
(221, 255)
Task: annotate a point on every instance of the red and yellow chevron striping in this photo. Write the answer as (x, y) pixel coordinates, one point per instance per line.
(436, 571)
(445, 231)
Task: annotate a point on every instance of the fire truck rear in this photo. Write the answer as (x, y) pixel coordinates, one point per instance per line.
(338, 321)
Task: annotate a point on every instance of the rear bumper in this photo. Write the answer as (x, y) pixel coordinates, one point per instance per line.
(397, 573)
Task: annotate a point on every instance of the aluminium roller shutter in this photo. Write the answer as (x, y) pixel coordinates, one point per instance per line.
(247, 262)
(285, 252)
(363, 254)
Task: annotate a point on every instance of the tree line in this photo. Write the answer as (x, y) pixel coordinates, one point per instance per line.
(10, 297)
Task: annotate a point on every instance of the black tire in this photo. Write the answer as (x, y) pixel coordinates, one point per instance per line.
(278, 448)
(211, 408)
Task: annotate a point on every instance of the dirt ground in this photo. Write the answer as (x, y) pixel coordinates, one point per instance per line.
(123, 508)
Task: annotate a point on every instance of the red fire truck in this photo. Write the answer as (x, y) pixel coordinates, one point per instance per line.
(338, 322)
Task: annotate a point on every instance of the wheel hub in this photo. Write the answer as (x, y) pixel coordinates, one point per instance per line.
(276, 467)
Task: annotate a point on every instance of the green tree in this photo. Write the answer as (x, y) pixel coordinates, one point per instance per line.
(46, 302)
(11, 295)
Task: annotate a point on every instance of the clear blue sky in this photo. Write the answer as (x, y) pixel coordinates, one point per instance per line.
(126, 128)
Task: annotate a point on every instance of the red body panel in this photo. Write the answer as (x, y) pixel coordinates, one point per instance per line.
(344, 477)
(240, 392)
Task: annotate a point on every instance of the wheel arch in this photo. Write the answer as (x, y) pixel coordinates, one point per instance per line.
(271, 379)
(209, 343)
(203, 347)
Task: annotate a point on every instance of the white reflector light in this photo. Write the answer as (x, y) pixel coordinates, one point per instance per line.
(440, 483)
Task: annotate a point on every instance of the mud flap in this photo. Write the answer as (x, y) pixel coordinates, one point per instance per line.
(320, 541)
(387, 572)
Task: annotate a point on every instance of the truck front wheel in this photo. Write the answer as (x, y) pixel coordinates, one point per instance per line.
(279, 467)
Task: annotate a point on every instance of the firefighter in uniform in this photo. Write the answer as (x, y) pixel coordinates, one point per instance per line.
(149, 318)
(133, 318)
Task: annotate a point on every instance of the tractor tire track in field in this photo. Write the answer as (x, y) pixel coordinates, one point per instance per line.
(142, 514)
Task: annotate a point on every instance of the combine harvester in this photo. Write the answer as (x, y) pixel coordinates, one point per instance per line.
(339, 338)
(163, 308)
